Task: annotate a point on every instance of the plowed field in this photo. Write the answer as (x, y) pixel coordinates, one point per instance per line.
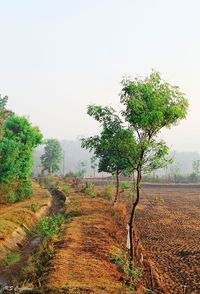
(169, 223)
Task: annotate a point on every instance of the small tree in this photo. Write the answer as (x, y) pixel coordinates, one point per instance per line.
(94, 164)
(195, 175)
(52, 156)
(150, 105)
(112, 144)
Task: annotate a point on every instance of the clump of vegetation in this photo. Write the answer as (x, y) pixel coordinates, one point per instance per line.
(12, 258)
(11, 197)
(52, 156)
(107, 192)
(89, 190)
(18, 140)
(35, 206)
(48, 226)
(66, 190)
(122, 259)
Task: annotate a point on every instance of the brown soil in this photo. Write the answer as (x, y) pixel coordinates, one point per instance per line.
(82, 262)
(168, 221)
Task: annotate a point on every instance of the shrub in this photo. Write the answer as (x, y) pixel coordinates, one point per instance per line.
(48, 226)
(89, 190)
(24, 189)
(11, 197)
(107, 192)
(122, 259)
(66, 190)
(12, 258)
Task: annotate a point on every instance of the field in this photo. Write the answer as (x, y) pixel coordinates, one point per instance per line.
(169, 220)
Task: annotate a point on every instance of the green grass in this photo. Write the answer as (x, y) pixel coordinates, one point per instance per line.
(12, 258)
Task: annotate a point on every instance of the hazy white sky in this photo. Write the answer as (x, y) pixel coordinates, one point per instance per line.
(58, 56)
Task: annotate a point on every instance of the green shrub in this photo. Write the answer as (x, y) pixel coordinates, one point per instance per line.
(89, 190)
(66, 190)
(48, 226)
(107, 192)
(24, 189)
(125, 185)
(12, 258)
(34, 206)
(11, 197)
(122, 259)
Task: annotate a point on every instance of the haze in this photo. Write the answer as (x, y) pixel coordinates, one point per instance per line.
(56, 57)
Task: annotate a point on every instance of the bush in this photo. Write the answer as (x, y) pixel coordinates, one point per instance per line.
(89, 190)
(11, 197)
(66, 190)
(48, 226)
(107, 192)
(24, 189)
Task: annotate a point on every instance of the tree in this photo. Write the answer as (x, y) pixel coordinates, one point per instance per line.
(3, 102)
(52, 156)
(112, 144)
(195, 175)
(150, 105)
(94, 164)
(16, 149)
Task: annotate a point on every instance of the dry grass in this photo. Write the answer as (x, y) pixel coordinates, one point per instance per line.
(82, 262)
(12, 215)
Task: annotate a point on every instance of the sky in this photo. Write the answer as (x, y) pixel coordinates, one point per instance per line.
(58, 56)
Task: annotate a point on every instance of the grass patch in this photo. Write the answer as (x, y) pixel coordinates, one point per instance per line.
(107, 192)
(48, 226)
(89, 190)
(12, 258)
(122, 259)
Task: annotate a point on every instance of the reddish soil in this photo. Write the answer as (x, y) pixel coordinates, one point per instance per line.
(168, 222)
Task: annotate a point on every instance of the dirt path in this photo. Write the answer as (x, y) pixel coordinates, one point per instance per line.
(82, 263)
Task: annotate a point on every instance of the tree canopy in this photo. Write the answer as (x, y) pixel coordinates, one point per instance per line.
(16, 150)
(52, 156)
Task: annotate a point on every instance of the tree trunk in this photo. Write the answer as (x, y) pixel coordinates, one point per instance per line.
(117, 186)
(131, 221)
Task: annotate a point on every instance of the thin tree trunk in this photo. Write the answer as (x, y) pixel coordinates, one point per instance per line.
(131, 221)
(117, 185)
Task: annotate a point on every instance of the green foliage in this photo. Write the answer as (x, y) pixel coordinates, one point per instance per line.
(12, 258)
(48, 226)
(52, 156)
(111, 145)
(3, 113)
(122, 259)
(89, 190)
(24, 189)
(66, 189)
(150, 105)
(16, 148)
(196, 170)
(148, 291)
(125, 185)
(35, 206)
(11, 197)
(107, 192)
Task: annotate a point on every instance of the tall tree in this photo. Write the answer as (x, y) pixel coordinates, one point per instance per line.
(52, 156)
(150, 105)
